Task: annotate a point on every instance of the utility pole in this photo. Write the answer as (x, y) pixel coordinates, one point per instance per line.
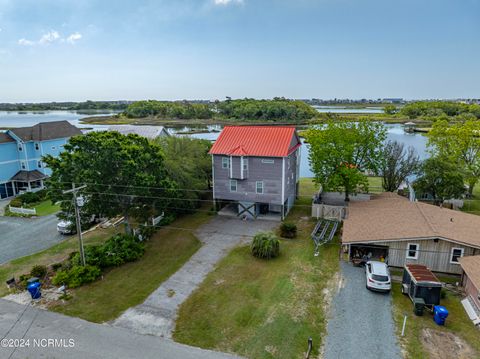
(78, 202)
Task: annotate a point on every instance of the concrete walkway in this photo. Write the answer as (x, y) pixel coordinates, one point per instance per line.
(361, 323)
(79, 339)
(3, 204)
(156, 316)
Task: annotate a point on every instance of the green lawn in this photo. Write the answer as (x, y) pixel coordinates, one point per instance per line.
(473, 205)
(457, 323)
(264, 309)
(52, 255)
(130, 284)
(46, 207)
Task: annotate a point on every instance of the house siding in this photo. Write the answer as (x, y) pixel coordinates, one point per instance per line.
(471, 290)
(436, 256)
(270, 174)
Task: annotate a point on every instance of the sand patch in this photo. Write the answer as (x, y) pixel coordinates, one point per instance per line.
(444, 345)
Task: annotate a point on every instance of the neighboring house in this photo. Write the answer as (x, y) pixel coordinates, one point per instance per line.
(471, 278)
(411, 232)
(21, 152)
(256, 169)
(151, 132)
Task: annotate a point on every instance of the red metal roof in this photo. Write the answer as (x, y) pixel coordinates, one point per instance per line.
(421, 273)
(268, 141)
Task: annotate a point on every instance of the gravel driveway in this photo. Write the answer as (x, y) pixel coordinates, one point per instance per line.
(361, 323)
(20, 237)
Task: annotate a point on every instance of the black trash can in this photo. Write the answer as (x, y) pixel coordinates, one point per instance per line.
(418, 306)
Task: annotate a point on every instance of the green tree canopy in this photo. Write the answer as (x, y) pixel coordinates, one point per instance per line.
(125, 175)
(340, 153)
(397, 164)
(440, 179)
(188, 164)
(459, 144)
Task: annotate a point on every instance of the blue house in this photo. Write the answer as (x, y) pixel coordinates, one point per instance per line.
(21, 152)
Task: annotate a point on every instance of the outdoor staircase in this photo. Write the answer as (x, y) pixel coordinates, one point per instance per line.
(323, 233)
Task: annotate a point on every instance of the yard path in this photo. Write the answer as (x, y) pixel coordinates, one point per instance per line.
(157, 315)
(361, 323)
(90, 340)
(20, 237)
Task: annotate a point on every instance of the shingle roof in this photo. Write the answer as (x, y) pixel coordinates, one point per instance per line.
(151, 132)
(27, 176)
(46, 131)
(391, 217)
(268, 141)
(4, 138)
(471, 266)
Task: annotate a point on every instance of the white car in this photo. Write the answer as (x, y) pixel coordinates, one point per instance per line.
(65, 227)
(378, 276)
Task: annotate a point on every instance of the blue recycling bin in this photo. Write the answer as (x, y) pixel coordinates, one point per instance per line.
(440, 313)
(34, 290)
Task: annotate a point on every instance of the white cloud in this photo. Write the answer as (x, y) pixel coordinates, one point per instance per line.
(227, 2)
(25, 42)
(49, 37)
(74, 37)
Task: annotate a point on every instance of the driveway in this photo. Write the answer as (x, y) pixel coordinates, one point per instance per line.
(89, 340)
(361, 323)
(20, 237)
(156, 316)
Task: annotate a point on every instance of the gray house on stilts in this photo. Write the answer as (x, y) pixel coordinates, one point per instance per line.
(256, 170)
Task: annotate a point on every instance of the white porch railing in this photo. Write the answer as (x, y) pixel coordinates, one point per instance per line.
(29, 211)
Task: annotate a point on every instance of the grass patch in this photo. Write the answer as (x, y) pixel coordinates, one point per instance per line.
(473, 205)
(457, 323)
(264, 308)
(49, 256)
(46, 208)
(130, 284)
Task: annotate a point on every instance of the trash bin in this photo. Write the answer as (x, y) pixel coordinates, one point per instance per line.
(418, 306)
(440, 313)
(34, 290)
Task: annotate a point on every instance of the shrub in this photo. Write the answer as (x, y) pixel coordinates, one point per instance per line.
(265, 245)
(39, 271)
(443, 294)
(57, 266)
(288, 230)
(77, 275)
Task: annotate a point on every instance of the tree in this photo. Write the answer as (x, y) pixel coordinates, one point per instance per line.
(460, 144)
(188, 163)
(125, 175)
(390, 109)
(340, 153)
(440, 179)
(398, 163)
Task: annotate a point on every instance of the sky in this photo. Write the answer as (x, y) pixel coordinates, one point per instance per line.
(65, 50)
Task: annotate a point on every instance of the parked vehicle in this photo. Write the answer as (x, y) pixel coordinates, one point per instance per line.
(66, 227)
(378, 276)
(422, 286)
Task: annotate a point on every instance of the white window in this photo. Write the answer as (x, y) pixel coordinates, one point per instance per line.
(23, 164)
(270, 162)
(39, 164)
(37, 146)
(233, 185)
(412, 250)
(20, 147)
(225, 162)
(259, 187)
(53, 148)
(245, 164)
(455, 255)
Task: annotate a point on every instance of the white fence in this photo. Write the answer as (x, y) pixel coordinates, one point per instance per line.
(337, 213)
(29, 211)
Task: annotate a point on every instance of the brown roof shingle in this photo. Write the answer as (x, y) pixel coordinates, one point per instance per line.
(4, 138)
(46, 131)
(27, 176)
(471, 266)
(389, 216)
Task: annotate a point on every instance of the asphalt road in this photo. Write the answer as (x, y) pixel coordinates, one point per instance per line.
(79, 339)
(361, 323)
(20, 237)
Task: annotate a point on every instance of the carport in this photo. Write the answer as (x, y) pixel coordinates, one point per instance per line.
(361, 249)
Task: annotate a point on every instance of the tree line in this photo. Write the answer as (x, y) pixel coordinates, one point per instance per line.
(65, 106)
(441, 110)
